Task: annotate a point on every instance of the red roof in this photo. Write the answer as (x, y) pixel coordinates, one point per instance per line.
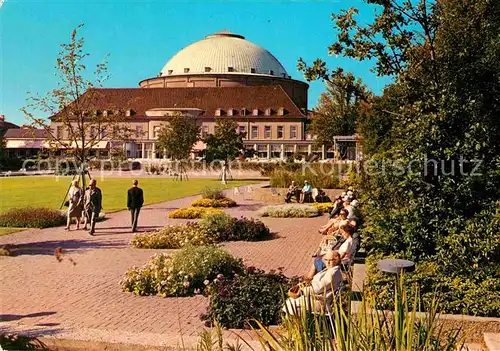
(139, 100)
(25, 133)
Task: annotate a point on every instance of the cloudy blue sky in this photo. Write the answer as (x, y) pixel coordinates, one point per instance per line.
(141, 36)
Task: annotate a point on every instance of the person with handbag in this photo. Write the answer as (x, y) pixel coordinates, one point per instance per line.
(75, 204)
(319, 293)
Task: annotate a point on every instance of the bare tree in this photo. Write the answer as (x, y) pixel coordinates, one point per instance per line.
(75, 124)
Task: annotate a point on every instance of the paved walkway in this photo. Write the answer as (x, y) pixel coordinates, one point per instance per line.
(42, 296)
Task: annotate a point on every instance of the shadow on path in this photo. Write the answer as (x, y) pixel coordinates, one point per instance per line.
(48, 247)
(15, 317)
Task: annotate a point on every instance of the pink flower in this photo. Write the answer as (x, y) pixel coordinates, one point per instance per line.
(220, 276)
(186, 284)
(197, 291)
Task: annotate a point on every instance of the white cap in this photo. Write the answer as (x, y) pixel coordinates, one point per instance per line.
(355, 203)
(350, 193)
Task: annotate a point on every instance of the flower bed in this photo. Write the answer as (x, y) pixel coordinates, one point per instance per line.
(324, 207)
(224, 202)
(237, 299)
(193, 212)
(211, 229)
(186, 273)
(289, 211)
(32, 217)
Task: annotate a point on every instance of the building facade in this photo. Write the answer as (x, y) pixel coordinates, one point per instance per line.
(221, 76)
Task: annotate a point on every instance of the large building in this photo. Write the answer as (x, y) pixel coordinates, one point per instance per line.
(223, 75)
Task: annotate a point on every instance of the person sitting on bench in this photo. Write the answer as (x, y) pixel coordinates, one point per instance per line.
(292, 191)
(306, 192)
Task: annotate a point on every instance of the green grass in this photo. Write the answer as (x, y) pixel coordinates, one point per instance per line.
(49, 191)
(4, 231)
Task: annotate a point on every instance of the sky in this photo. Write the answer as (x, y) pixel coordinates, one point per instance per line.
(139, 37)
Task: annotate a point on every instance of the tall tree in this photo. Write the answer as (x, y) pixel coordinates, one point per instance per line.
(75, 125)
(224, 145)
(177, 139)
(339, 107)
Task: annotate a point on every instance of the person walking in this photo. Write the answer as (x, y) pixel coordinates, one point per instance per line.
(75, 204)
(135, 200)
(93, 204)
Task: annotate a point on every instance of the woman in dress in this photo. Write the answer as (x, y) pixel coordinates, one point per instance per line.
(75, 208)
(324, 285)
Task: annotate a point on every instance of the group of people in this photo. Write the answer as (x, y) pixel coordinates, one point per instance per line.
(305, 194)
(87, 205)
(334, 255)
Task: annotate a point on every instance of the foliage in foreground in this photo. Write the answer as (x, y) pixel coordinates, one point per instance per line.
(212, 228)
(288, 210)
(255, 295)
(185, 273)
(193, 212)
(20, 342)
(32, 217)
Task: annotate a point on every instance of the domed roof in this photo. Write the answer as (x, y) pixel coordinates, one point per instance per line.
(224, 52)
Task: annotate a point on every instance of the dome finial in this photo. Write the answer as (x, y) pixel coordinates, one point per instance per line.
(224, 33)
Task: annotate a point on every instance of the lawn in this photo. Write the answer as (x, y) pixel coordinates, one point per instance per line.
(49, 191)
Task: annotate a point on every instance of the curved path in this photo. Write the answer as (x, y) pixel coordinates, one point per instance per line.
(84, 301)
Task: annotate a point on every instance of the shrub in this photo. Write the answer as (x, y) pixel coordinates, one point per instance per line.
(213, 193)
(21, 342)
(288, 210)
(192, 212)
(254, 295)
(173, 237)
(186, 273)
(32, 217)
(226, 228)
(249, 230)
(324, 207)
(224, 202)
(218, 225)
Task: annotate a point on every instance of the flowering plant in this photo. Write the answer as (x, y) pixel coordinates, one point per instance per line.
(224, 202)
(192, 212)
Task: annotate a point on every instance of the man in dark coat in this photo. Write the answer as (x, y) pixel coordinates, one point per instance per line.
(135, 199)
(93, 204)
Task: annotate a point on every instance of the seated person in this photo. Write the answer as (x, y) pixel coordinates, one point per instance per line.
(345, 250)
(348, 206)
(322, 197)
(333, 223)
(306, 190)
(324, 285)
(292, 191)
(338, 205)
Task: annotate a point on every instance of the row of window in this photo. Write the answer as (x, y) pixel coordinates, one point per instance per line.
(255, 112)
(230, 69)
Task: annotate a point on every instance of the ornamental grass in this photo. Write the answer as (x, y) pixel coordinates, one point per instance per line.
(288, 210)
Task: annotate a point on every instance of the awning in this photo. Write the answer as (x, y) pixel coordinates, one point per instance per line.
(25, 144)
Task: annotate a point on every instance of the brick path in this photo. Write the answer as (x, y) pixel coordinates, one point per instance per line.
(42, 296)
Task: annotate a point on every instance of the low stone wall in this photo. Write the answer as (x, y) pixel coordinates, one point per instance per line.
(267, 196)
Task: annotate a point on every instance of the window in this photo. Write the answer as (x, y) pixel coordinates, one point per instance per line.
(204, 131)
(268, 112)
(255, 132)
(243, 112)
(255, 112)
(242, 130)
(252, 70)
(229, 111)
(207, 69)
(186, 70)
(138, 131)
(128, 113)
(105, 113)
(156, 131)
(218, 112)
(280, 132)
(59, 132)
(293, 132)
(271, 72)
(284, 75)
(170, 71)
(230, 69)
(281, 111)
(267, 132)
